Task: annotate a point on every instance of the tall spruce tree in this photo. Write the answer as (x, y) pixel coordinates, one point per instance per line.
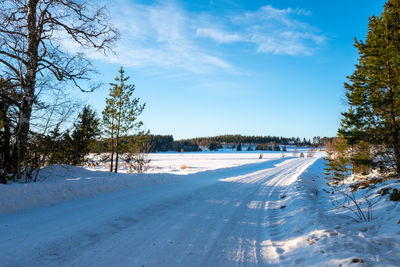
(86, 129)
(120, 114)
(373, 90)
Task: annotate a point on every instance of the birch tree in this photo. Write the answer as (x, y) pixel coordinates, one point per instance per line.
(36, 37)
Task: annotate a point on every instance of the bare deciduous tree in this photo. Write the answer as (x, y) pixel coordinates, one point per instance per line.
(137, 157)
(36, 37)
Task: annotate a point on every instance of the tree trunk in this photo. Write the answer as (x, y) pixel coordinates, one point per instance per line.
(112, 146)
(396, 148)
(28, 87)
(117, 138)
(395, 132)
(392, 109)
(116, 149)
(5, 146)
(116, 152)
(6, 138)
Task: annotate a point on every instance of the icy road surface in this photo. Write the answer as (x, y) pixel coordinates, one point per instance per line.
(225, 217)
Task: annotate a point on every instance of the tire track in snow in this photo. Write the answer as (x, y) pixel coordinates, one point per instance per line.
(216, 223)
(251, 252)
(272, 251)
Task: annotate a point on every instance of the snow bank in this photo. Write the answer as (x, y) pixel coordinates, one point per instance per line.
(314, 226)
(57, 183)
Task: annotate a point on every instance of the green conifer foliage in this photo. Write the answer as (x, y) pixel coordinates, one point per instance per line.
(373, 90)
(86, 129)
(338, 165)
(120, 114)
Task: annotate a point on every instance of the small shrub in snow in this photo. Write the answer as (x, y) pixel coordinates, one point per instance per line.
(184, 167)
(314, 191)
(171, 167)
(137, 162)
(360, 206)
(311, 240)
(310, 153)
(137, 157)
(395, 195)
(357, 260)
(239, 147)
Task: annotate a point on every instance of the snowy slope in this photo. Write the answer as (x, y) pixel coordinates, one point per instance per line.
(313, 232)
(59, 183)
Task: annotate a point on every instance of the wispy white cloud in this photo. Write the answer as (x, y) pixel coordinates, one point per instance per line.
(160, 35)
(164, 35)
(271, 30)
(218, 35)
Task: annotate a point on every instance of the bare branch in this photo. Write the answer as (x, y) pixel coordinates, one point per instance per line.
(32, 44)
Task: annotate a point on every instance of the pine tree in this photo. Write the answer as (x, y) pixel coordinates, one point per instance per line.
(361, 158)
(373, 91)
(336, 169)
(338, 164)
(86, 129)
(120, 114)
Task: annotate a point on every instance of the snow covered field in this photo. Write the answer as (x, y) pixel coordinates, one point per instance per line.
(195, 162)
(192, 162)
(59, 183)
(229, 210)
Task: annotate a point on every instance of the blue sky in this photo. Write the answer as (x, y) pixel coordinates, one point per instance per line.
(214, 67)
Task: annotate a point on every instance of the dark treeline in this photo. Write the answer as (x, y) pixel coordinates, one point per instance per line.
(254, 140)
(155, 143)
(237, 138)
(163, 143)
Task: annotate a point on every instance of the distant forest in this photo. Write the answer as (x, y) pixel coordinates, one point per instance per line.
(163, 143)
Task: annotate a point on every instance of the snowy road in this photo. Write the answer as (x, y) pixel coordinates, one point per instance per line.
(225, 217)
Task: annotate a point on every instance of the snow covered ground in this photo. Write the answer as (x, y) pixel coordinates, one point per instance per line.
(192, 162)
(234, 210)
(59, 183)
